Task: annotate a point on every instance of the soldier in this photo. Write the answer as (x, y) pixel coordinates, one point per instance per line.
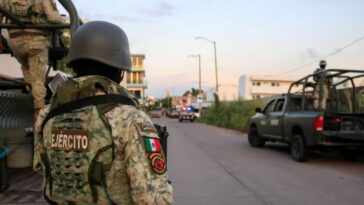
(93, 145)
(30, 46)
(325, 87)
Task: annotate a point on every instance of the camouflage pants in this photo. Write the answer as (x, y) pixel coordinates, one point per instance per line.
(32, 54)
(321, 102)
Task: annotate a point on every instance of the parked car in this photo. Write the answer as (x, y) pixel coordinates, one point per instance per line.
(156, 113)
(293, 118)
(173, 113)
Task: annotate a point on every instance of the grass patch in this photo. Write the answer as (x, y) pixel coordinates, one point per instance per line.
(231, 115)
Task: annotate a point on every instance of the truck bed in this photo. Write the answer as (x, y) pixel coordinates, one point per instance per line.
(25, 188)
(344, 128)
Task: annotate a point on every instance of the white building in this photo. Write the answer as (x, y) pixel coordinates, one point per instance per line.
(259, 86)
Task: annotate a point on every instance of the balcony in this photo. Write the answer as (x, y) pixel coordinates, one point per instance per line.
(137, 69)
(139, 84)
(268, 90)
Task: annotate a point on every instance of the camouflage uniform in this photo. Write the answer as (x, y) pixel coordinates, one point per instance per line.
(325, 90)
(30, 46)
(136, 175)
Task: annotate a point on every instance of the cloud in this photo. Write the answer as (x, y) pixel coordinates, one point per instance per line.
(312, 54)
(161, 9)
(113, 17)
(309, 55)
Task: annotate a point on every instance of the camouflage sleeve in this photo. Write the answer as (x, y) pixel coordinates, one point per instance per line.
(38, 140)
(51, 11)
(4, 6)
(146, 165)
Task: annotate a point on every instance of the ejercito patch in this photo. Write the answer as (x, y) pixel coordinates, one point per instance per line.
(70, 140)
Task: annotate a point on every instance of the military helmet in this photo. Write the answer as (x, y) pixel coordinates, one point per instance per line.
(102, 42)
(322, 64)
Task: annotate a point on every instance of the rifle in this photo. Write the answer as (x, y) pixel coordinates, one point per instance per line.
(163, 135)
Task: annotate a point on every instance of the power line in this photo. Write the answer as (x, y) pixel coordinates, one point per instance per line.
(327, 56)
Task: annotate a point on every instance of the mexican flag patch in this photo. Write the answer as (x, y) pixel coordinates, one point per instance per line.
(152, 144)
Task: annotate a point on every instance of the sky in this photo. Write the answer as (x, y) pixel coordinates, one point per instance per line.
(266, 37)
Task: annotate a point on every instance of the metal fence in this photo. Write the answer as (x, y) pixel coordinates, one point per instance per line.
(16, 110)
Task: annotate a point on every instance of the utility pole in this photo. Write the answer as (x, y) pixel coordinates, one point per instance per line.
(217, 78)
(199, 70)
(215, 54)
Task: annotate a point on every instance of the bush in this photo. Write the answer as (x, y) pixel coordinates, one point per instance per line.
(231, 115)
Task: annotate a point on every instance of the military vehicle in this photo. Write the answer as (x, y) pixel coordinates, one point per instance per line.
(16, 107)
(293, 119)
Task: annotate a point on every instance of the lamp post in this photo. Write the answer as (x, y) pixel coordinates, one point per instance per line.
(199, 70)
(214, 43)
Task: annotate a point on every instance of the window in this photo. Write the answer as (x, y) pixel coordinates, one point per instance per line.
(128, 77)
(258, 83)
(253, 83)
(138, 94)
(258, 96)
(134, 80)
(140, 63)
(279, 105)
(269, 108)
(275, 84)
(135, 61)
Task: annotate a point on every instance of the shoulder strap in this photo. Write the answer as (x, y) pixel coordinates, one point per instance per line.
(87, 101)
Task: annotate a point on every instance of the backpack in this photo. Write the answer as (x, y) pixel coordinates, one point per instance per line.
(78, 145)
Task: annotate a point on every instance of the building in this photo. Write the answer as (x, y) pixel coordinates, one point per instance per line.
(256, 86)
(135, 80)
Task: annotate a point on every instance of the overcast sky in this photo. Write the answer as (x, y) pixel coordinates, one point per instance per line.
(262, 36)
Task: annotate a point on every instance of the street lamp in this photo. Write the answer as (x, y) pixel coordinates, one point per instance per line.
(199, 70)
(214, 43)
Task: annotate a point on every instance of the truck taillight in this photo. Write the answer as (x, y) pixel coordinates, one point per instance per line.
(318, 124)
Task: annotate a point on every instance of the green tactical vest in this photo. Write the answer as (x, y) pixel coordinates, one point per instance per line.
(78, 142)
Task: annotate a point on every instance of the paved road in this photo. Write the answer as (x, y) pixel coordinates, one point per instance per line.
(211, 165)
(214, 166)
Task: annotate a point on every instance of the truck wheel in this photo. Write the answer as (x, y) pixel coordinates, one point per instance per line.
(254, 139)
(299, 150)
(180, 120)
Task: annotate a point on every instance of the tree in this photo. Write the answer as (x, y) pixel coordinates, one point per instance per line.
(194, 92)
(166, 102)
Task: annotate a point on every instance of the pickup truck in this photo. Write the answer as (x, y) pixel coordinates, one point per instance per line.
(187, 113)
(293, 118)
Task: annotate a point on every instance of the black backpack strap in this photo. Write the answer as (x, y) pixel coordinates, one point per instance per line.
(87, 101)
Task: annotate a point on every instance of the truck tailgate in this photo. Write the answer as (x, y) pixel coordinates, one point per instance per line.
(345, 126)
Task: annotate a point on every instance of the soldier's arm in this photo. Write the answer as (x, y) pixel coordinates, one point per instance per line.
(38, 141)
(146, 168)
(2, 5)
(51, 11)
